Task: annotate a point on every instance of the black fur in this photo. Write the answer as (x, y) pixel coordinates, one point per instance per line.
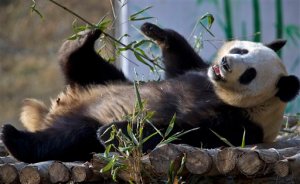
(247, 76)
(288, 88)
(238, 51)
(83, 66)
(276, 45)
(178, 55)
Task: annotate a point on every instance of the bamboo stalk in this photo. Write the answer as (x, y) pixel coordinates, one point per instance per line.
(228, 19)
(256, 21)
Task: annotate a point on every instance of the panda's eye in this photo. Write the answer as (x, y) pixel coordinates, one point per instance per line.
(238, 51)
(247, 76)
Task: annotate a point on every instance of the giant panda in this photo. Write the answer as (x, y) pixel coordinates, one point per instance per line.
(245, 89)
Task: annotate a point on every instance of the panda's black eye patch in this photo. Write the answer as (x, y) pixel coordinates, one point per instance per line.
(247, 76)
(238, 51)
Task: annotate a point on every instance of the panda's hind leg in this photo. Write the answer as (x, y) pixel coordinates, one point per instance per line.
(82, 65)
(65, 141)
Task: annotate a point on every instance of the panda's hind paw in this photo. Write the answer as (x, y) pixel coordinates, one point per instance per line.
(14, 141)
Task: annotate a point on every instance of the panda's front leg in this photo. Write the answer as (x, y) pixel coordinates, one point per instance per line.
(178, 55)
(82, 65)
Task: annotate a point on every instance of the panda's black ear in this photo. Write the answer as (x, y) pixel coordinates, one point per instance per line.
(276, 45)
(288, 88)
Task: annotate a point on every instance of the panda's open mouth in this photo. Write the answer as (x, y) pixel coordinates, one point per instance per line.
(222, 68)
(217, 72)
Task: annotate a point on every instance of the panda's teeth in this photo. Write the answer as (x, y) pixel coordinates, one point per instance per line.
(216, 69)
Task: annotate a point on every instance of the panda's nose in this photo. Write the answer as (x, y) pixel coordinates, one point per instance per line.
(225, 64)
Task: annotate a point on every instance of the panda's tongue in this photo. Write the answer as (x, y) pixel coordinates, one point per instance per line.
(216, 69)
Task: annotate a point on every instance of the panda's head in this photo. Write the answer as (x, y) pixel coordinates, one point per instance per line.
(246, 74)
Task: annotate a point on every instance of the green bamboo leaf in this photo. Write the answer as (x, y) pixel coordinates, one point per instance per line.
(131, 134)
(133, 16)
(78, 29)
(107, 150)
(34, 10)
(142, 42)
(73, 37)
(121, 37)
(142, 52)
(169, 140)
(207, 30)
(124, 149)
(103, 25)
(141, 18)
(171, 125)
(210, 19)
(128, 47)
(139, 57)
(138, 96)
(182, 164)
(171, 173)
(186, 132)
(222, 139)
(244, 139)
(109, 165)
(112, 133)
(149, 137)
(158, 131)
(114, 174)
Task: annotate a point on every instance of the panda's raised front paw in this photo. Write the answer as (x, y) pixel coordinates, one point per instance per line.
(154, 32)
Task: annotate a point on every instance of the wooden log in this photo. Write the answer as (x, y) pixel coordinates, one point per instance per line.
(211, 162)
(294, 163)
(249, 163)
(290, 165)
(279, 144)
(198, 162)
(8, 160)
(35, 173)
(59, 173)
(250, 180)
(3, 151)
(81, 173)
(288, 152)
(226, 160)
(269, 156)
(8, 174)
(84, 173)
(281, 168)
(161, 157)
